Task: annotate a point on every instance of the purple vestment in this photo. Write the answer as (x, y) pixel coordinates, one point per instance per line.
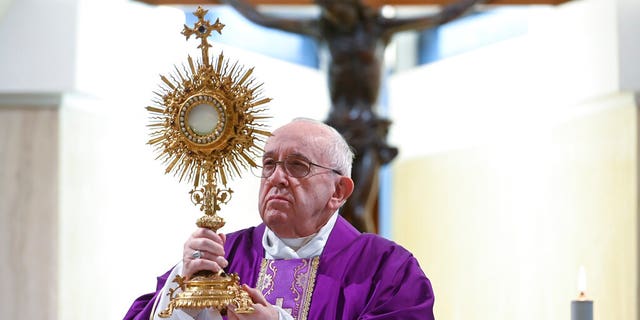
(359, 276)
(289, 283)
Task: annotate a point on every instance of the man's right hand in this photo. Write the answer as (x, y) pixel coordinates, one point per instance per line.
(211, 247)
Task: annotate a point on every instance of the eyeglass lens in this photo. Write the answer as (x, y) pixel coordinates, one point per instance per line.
(294, 166)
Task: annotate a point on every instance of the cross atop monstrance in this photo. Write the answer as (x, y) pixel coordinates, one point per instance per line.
(202, 29)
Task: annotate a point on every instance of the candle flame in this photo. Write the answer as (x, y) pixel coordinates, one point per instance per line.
(582, 281)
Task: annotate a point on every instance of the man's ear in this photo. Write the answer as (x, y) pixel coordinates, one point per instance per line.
(344, 189)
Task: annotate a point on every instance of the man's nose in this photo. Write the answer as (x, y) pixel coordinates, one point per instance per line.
(279, 174)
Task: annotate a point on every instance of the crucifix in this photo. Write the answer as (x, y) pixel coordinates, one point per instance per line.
(355, 33)
(355, 36)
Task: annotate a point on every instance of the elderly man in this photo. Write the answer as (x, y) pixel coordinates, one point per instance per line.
(355, 35)
(304, 261)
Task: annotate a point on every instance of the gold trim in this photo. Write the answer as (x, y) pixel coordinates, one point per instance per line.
(262, 275)
(296, 278)
(304, 309)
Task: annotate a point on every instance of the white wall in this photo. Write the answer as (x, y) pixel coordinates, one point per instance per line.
(523, 168)
(38, 46)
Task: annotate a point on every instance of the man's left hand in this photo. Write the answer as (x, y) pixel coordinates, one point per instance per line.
(263, 309)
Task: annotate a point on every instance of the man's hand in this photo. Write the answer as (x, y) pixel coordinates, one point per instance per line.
(263, 309)
(211, 248)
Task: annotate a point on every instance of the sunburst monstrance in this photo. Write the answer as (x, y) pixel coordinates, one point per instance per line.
(206, 127)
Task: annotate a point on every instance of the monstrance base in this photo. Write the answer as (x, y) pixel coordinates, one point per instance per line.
(209, 290)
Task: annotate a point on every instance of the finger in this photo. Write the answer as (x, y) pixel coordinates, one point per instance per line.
(211, 248)
(231, 313)
(259, 312)
(204, 255)
(221, 261)
(205, 240)
(189, 255)
(193, 254)
(205, 233)
(194, 266)
(214, 246)
(205, 244)
(256, 295)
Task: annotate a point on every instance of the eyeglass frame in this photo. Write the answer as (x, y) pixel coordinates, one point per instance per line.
(284, 167)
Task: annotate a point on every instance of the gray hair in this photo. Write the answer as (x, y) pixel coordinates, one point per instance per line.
(340, 153)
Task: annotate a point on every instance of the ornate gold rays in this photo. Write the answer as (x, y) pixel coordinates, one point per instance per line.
(206, 123)
(206, 127)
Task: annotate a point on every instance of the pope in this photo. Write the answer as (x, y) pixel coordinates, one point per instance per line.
(304, 261)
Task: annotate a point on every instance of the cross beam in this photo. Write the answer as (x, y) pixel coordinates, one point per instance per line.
(373, 3)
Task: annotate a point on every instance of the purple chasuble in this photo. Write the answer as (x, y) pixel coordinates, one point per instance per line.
(359, 276)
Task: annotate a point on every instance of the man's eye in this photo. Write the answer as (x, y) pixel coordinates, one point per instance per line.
(268, 163)
(297, 164)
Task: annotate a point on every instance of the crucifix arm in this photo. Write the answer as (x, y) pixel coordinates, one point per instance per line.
(302, 26)
(448, 13)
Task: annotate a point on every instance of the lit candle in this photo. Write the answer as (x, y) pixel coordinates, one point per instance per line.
(582, 308)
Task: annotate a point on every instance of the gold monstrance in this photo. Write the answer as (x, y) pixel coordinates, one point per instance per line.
(206, 127)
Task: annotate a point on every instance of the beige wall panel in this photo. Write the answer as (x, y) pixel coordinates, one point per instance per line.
(501, 229)
(28, 212)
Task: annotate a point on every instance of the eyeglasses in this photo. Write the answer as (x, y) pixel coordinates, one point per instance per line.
(294, 166)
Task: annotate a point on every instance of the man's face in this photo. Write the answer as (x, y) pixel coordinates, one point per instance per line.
(297, 207)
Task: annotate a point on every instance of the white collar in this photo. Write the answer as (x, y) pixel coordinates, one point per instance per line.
(296, 248)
